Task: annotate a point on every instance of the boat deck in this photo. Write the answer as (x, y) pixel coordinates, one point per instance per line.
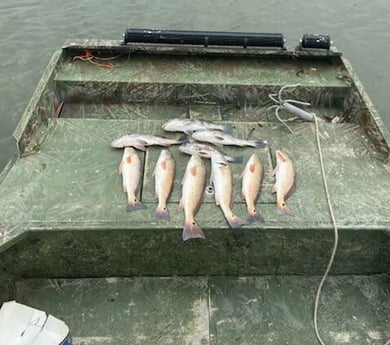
(74, 185)
(214, 310)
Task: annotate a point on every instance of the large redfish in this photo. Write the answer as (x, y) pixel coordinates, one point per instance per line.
(141, 141)
(194, 182)
(222, 180)
(219, 138)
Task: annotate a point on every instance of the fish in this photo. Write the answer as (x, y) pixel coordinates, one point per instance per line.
(193, 185)
(219, 139)
(131, 170)
(205, 150)
(252, 177)
(189, 126)
(141, 141)
(164, 175)
(284, 181)
(222, 180)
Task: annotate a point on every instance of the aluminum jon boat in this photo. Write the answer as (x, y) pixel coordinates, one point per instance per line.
(69, 248)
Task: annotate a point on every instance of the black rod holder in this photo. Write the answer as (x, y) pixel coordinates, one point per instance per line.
(204, 38)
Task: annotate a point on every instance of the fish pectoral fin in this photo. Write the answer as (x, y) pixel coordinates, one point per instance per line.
(139, 147)
(120, 167)
(273, 172)
(273, 189)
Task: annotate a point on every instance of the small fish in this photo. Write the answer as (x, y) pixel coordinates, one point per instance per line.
(194, 181)
(164, 174)
(189, 126)
(284, 181)
(252, 177)
(222, 180)
(218, 138)
(131, 170)
(205, 151)
(140, 141)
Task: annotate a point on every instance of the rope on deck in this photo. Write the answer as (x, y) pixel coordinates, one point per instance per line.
(336, 233)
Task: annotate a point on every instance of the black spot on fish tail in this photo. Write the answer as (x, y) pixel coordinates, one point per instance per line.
(161, 214)
(192, 230)
(135, 205)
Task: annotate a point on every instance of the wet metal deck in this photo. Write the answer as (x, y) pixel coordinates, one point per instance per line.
(74, 185)
(214, 310)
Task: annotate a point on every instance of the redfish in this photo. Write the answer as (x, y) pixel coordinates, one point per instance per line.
(205, 151)
(189, 126)
(164, 175)
(194, 181)
(219, 138)
(141, 141)
(252, 177)
(284, 181)
(222, 180)
(131, 170)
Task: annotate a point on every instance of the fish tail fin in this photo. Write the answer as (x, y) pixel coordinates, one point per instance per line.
(283, 209)
(228, 129)
(255, 217)
(134, 205)
(260, 143)
(236, 222)
(183, 139)
(192, 230)
(236, 159)
(162, 213)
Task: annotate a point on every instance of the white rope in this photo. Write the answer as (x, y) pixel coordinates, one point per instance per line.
(336, 237)
(336, 234)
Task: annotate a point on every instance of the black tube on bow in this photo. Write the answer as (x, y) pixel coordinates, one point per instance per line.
(204, 38)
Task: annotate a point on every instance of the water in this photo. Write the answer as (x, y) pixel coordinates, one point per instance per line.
(30, 30)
